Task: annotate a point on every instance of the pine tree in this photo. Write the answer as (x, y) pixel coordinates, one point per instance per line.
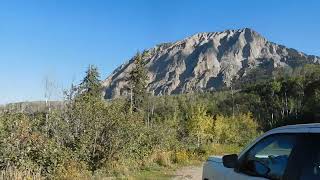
(138, 83)
(91, 85)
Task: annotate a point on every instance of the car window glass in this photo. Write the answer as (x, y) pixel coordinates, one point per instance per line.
(269, 157)
(310, 166)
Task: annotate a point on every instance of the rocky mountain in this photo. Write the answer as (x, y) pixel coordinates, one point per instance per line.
(206, 62)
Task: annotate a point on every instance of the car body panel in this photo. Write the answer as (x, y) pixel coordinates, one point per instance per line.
(213, 169)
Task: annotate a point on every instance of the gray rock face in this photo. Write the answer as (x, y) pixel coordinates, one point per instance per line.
(206, 62)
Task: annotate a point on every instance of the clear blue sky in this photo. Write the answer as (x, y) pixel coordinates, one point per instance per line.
(60, 38)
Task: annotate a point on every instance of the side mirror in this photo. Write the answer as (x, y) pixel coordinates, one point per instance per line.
(230, 161)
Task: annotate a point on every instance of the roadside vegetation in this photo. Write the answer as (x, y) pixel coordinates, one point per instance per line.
(93, 138)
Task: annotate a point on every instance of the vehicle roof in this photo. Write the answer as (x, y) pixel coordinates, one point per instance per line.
(299, 128)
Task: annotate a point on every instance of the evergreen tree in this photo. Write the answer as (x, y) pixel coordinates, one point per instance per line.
(91, 85)
(138, 83)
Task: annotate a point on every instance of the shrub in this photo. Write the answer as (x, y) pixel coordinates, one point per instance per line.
(72, 170)
(222, 149)
(181, 157)
(164, 158)
(237, 130)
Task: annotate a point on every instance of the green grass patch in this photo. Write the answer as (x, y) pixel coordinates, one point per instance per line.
(158, 172)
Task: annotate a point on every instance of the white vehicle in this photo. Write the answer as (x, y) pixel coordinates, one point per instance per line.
(285, 153)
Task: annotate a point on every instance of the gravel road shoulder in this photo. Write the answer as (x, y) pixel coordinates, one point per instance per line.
(188, 173)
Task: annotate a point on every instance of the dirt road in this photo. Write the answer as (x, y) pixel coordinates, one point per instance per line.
(189, 173)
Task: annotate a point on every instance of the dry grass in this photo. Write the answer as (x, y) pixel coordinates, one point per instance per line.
(12, 173)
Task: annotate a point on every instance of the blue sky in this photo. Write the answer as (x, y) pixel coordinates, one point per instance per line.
(60, 38)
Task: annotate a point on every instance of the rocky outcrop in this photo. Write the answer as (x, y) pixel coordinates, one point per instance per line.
(206, 62)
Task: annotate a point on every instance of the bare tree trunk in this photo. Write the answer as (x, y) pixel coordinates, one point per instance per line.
(198, 139)
(131, 100)
(152, 113)
(50, 88)
(232, 102)
(95, 143)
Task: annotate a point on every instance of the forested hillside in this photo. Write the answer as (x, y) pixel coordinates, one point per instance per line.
(93, 138)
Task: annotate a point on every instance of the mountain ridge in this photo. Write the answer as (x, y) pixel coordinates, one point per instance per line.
(206, 61)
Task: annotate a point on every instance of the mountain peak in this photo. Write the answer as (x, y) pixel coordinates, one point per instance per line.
(206, 61)
(246, 29)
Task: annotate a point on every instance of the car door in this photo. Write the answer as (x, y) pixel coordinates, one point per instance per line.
(267, 159)
(305, 163)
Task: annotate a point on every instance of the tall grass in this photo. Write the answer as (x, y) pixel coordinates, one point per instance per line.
(13, 173)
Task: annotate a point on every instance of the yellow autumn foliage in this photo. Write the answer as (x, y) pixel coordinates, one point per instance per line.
(235, 130)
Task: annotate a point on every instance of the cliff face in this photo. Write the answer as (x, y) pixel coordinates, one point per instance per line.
(206, 62)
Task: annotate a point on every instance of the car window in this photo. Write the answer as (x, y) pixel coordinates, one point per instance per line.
(310, 155)
(269, 157)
